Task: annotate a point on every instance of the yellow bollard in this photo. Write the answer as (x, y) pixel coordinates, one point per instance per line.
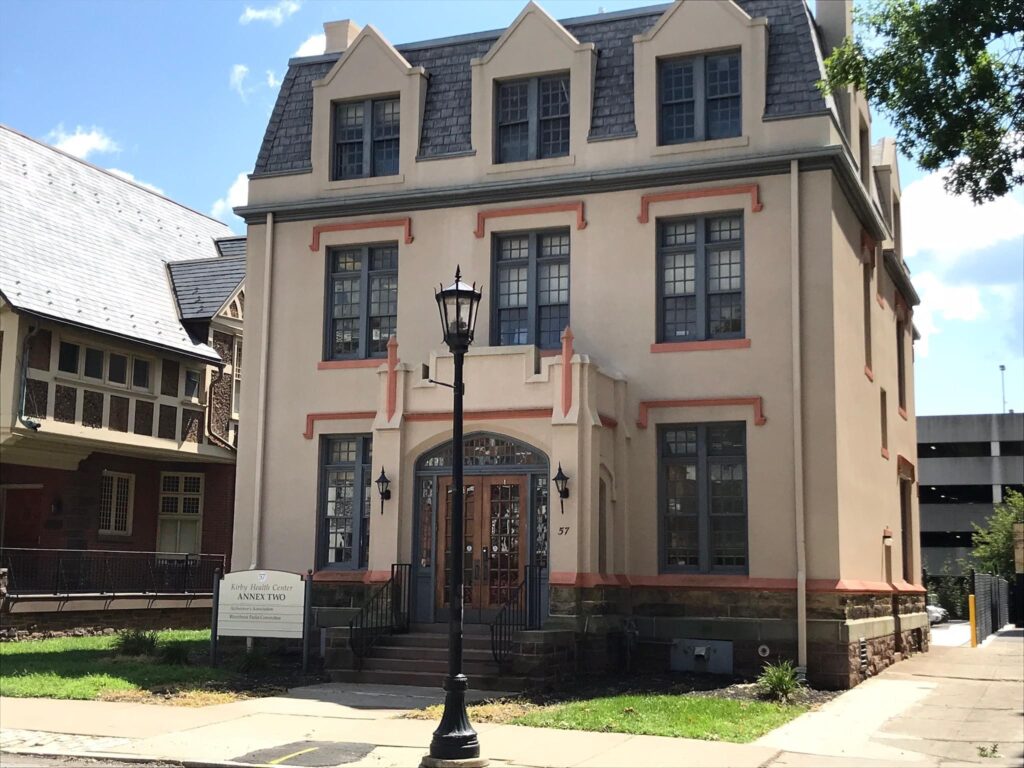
(974, 621)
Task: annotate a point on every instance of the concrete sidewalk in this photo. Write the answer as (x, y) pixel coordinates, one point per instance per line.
(935, 709)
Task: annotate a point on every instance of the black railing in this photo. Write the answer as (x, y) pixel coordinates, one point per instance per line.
(991, 603)
(106, 572)
(385, 613)
(520, 612)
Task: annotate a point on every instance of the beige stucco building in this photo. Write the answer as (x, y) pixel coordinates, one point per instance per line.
(734, 401)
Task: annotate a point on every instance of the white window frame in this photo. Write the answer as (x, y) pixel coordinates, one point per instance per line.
(131, 373)
(236, 376)
(199, 385)
(178, 517)
(114, 477)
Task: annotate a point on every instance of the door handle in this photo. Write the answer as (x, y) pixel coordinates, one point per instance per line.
(476, 570)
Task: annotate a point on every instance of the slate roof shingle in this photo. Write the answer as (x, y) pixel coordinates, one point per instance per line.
(792, 74)
(201, 286)
(82, 246)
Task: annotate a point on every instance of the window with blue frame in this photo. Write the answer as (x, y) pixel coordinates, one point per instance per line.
(703, 497)
(366, 138)
(362, 300)
(699, 98)
(531, 119)
(531, 293)
(343, 539)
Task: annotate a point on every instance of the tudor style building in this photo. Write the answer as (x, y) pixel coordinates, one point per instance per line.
(120, 370)
(695, 304)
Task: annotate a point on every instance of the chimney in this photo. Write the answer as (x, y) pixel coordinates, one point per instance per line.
(340, 35)
(835, 18)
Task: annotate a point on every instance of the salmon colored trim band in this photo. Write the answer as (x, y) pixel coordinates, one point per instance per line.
(755, 402)
(689, 194)
(697, 346)
(867, 247)
(608, 421)
(320, 229)
(392, 376)
(338, 365)
(312, 418)
(710, 581)
(498, 213)
(880, 299)
(869, 373)
(903, 413)
(885, 454)
(566, 370)
(511, 413)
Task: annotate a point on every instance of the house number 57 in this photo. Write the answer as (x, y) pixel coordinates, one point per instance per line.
(563, 530)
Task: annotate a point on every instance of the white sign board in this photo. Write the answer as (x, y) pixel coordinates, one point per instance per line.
(261, 604)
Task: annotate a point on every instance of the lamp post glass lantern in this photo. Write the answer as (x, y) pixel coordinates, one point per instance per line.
(455, 739)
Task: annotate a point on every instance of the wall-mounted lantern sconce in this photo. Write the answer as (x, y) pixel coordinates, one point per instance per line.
(887, 537)
(383, 485)
(562, 484)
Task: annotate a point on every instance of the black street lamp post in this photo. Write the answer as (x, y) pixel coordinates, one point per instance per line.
(455, 739)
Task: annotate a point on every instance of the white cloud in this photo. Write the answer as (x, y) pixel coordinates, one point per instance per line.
(131, 177)
(941, 301)
(238, 194)
(272, 81)
(275, 14)
(313, 46)
(948, 227)
(237, 79)
(82, 142)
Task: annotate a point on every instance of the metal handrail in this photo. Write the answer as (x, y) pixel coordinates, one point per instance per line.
(385, 613)
(38, 571)
(520, 612)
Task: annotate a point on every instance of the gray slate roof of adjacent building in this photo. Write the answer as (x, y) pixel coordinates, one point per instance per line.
(231, 246)
(82, 246)
(793, 70)
(201, 286)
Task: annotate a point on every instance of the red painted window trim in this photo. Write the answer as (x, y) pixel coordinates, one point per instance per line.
(312, 418)
(869, 373)
(320, 229)
(756, 403)
(885, 454)
(497, 213)
(903, 413)
(905, 468)
(689, 194)
(608, 421)
(697, 346)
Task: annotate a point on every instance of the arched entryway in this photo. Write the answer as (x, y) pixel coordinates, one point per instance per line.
(506, 526)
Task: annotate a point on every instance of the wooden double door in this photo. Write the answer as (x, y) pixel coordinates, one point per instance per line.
(495, 546)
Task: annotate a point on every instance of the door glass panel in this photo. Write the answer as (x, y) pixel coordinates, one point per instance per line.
(503, 557)
(470, 546)
(339, 516)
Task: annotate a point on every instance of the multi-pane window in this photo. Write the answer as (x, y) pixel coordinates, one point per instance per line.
(362, 309)
(703, 490)
(532, 119)
(117, 497)
(93, 363)
(700, 284)
(531, 303)
(193, 381)
(179, 527)
(366, 138)
(117, 369)
(67, 358)
(236, 376)
(346, 478)
(140, 373)
(699, 98)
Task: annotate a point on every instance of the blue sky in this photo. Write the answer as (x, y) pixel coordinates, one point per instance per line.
(177, 95)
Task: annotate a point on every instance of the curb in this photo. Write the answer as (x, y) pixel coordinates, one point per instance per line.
(123, 758)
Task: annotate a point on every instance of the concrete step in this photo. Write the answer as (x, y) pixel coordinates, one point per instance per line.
(428, 654)
(438, 667)
(426, 679)
(433, 640)
(441, 628)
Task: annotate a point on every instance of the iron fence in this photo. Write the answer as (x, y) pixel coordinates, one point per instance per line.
(522, 611)
(991, 603)
(385, 613)
(106, 572)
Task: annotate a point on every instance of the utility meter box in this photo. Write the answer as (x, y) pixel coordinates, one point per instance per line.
(711, 656)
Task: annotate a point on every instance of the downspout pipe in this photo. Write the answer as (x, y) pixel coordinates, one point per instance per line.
(261, 398)
(798, 419)
(23, 381)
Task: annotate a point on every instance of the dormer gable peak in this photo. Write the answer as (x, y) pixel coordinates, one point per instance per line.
(370, 37)
(532, 11)
(727, 6)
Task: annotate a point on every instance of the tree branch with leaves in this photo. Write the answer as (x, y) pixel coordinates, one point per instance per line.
(950, 75)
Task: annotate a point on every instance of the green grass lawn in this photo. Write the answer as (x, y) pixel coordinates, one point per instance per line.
(87, 667)
(691, 717)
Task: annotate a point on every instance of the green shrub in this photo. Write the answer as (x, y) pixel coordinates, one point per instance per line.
(135, 642)
(779, 681)
(174, 653)
(253, 662)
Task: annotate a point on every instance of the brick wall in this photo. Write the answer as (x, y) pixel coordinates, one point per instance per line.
(140, 618)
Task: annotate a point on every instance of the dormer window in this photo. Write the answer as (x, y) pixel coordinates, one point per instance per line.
(532, 119)
(366, 135)
(699, 98)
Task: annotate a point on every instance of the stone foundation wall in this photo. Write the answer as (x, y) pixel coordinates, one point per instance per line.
(543, 656)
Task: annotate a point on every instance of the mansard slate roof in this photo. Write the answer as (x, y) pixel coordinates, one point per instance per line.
(84, 247)
(201, 286)
(231, 246)
(792, 73)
